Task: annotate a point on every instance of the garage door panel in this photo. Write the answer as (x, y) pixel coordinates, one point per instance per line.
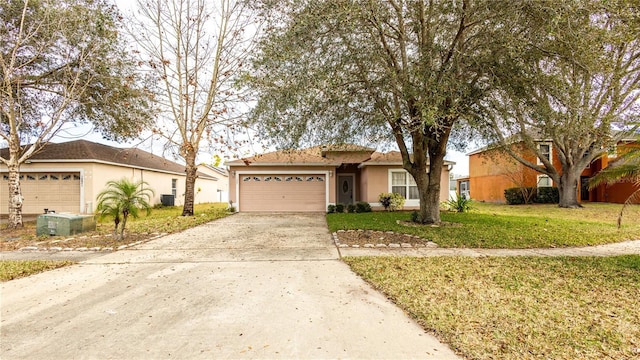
(282, 192)
(54, 191)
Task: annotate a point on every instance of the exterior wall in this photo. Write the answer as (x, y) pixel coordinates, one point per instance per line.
(233, 177)
(374, 180)
(94, 177)
(221, 193)
(493, 171)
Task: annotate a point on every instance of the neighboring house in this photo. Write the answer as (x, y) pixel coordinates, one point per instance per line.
(491, 171)
(462, 186)
(311, 179)
(67, 177)
(222, 185)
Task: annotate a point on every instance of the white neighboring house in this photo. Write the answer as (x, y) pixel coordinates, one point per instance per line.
(67, 177)
(222, 185)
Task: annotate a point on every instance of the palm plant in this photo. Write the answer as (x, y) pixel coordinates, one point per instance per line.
(124, 198)
(625, 168)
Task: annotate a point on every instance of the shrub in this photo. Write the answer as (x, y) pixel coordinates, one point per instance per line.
(331, 209)
(514, 196)
(351, 208)
(548, 195)
(391, 201)
(339, 208)
(460, 203)
(415, 217)
(362, 207)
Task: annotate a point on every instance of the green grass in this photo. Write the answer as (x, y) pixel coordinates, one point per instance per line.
(169, 219)
(518, 308)
(10, 269)
(504, 226)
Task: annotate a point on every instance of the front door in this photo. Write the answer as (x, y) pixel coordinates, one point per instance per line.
(584, 188)
(345, 189)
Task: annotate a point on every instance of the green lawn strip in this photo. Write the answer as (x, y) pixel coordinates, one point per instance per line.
(502, 226)
(10, 269)
(518, 308)
(169, 219)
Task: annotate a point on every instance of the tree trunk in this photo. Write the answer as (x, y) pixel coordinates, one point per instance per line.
(431, 212)
(568, 189)
(15, 196)
(189, 193)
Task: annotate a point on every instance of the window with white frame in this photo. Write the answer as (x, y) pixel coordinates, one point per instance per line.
(544, 181)
(174, 188)
(403, 183)
(545, 151)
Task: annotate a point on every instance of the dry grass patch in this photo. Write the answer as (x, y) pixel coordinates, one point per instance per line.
(10, 270)
(518, 308)
(164, 220)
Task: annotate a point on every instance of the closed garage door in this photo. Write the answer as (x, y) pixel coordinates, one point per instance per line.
(53, 191)
(282, 192)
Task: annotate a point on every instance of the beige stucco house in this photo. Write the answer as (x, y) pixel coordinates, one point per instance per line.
(67, 177)
(311, 179)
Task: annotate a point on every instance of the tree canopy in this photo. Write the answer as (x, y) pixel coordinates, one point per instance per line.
(63, 62)
(572, 80)
(367, 71)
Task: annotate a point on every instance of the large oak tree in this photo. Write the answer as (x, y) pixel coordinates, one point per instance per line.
(572, 80)
(62, 62)
(364, 70)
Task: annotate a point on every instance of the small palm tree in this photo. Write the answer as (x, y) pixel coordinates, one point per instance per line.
(124, 197)
(625, 168)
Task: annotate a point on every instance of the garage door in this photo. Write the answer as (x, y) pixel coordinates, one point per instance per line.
(53, 191)
(282, 192)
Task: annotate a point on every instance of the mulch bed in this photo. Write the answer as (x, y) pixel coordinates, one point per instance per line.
(374, 237)
(12, 240)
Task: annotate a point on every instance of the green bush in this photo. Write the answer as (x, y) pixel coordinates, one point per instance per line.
(331, 209)
(460, 203)
(351, 208)
(391, 201)
(542, 195)
(339, 208)
(362, 207)
(548, 195)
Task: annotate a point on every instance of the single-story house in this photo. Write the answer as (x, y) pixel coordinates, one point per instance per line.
(313, 178)
(222, 185)
(67, 177)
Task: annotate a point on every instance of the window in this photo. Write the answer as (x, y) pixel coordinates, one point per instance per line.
(43, 177)
(268, 178)
(255, 178)
(277, 178)
(544, 181)
(53, 177)
(246, 178)
(288, 178)
(66, 177)
(319, 178)
(298, 178)
(76, 177)
(403, 183)
(5, 177)
(545, 152)
(309, 178)
(174, 187)
(31, 177)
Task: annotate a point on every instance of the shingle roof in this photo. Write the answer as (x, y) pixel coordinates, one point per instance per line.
(321, 155)
(83, 151)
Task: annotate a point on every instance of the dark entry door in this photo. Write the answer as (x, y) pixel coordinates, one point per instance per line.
(584, 188)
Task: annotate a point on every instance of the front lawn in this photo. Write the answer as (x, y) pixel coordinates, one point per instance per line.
(161, 220)
(10, 269)
(518, 308)
(504, 226)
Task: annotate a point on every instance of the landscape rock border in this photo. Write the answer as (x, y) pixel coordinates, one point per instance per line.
(410, 242)
(93, 249)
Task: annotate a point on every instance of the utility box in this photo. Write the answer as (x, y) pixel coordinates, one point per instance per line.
(167, 199)
(64, 224)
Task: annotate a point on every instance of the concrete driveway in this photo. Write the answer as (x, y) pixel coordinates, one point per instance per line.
(247, 286)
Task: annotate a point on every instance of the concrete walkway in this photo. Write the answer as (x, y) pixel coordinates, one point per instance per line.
(621, 248)
(246, 286)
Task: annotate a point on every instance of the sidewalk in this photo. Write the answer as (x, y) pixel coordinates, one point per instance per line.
(621, 248)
